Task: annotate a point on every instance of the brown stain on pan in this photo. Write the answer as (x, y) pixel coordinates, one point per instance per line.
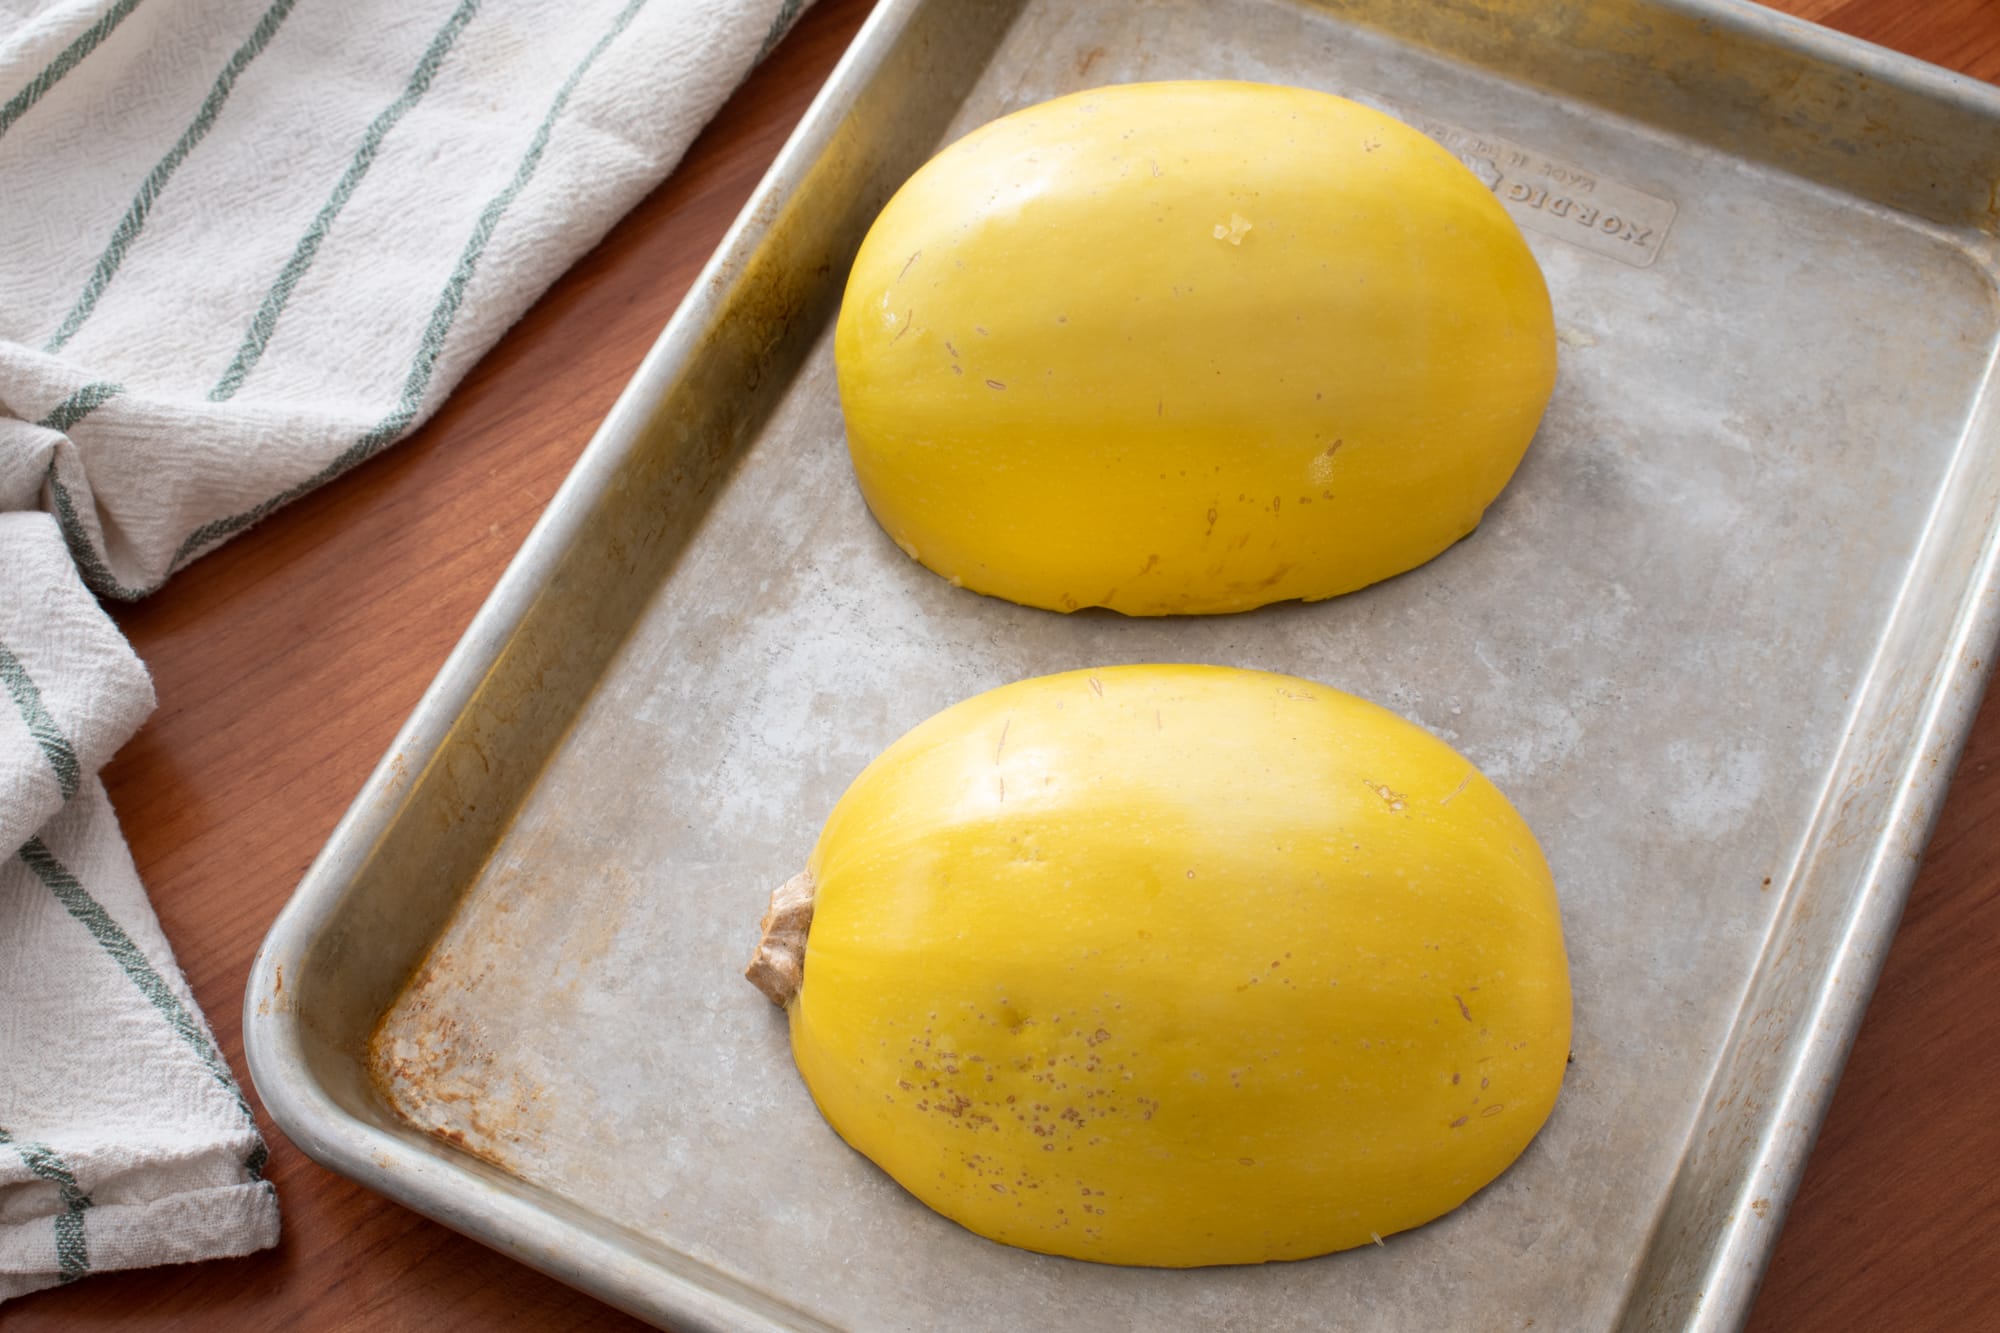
(459, 1053)
(437, 1068)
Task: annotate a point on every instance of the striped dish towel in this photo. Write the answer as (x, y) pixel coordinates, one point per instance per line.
(244, 246)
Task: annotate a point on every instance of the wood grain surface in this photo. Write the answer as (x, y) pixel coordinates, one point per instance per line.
(286, 661)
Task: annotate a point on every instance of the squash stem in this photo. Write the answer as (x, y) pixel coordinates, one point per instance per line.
(779, 966)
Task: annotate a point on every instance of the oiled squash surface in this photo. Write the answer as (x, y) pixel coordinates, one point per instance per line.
(1189, 347)
(1181, 965)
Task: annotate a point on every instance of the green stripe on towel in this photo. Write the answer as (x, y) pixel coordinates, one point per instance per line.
(788, 13)
(41, 725)
(88, 563)
(72, 1251)
(80, 405)
(443, 314)
(266, 319)
(134, 221)
(66, 60)
(76, 900)
(65, 417)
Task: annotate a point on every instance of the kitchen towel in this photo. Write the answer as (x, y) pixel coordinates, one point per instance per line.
(244, 246)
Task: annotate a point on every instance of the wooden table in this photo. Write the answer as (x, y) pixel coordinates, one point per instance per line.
(286, 661)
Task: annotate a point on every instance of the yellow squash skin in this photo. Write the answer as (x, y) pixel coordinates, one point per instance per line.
(1179, 965)
(1063, 387)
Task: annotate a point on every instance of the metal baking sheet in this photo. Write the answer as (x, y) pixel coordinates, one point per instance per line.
(1719, 641)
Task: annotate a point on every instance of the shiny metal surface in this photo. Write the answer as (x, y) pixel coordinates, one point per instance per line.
(1719, 642)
